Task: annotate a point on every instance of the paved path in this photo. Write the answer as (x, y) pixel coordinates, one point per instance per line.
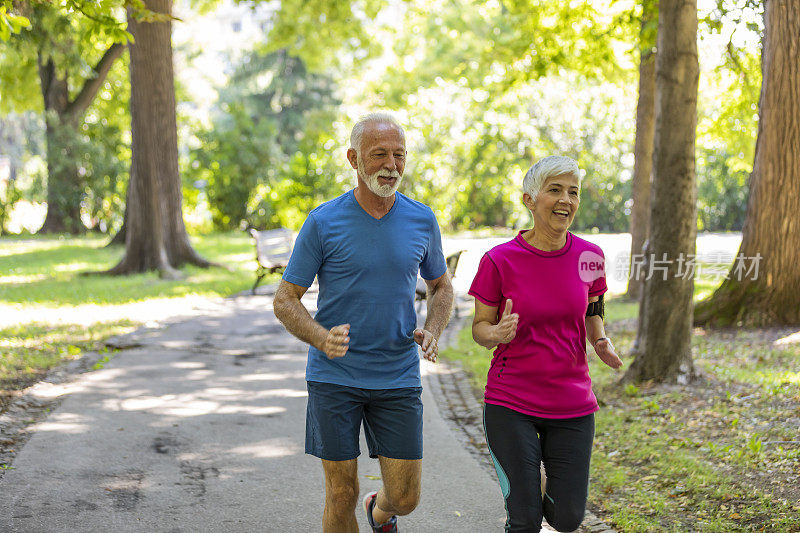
(200, 428)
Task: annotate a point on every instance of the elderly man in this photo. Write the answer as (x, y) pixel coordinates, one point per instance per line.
(366, 248)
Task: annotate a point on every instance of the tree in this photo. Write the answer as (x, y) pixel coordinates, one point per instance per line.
(645, 133)
(665, 326)
(155, 236)
(71, 57)
(770, 296)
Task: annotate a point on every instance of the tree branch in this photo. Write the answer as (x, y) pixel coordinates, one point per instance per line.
(737, 64)
(83, 100)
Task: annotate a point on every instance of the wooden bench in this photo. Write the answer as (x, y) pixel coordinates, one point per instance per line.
(273, 249)
(421, 292)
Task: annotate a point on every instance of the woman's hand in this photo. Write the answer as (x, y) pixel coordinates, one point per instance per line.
(605, 351)
(506, 329)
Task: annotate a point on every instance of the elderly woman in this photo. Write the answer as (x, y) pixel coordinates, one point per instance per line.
(537, 298)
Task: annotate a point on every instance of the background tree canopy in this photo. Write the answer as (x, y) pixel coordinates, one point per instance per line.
(484, 88)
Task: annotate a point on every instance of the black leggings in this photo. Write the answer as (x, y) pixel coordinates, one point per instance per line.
(518, 443)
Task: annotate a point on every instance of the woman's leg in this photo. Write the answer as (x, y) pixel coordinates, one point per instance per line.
(567, 451)
(516, 451)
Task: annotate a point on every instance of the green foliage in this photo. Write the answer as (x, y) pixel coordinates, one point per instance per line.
(9, 196)
(484, 88)
(469, 152)
(9, 22)
(19, 142)
(73, 43)
(263, 160)
(496, 45)
(728, 113)
(721, 193)
(105, 157)
(234, 154)
(318, 31)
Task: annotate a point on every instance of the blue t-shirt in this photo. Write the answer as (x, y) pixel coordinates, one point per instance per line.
(367, 271)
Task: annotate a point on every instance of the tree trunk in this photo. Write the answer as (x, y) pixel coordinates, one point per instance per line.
(155, 235)
(664, 337)
(643, 146)
(64, 185)
(771, 234)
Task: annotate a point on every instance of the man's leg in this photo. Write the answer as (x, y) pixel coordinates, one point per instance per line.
(341, 496)
(333, 419)
(401, 487)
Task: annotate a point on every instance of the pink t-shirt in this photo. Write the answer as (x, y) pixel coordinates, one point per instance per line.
(543, 371)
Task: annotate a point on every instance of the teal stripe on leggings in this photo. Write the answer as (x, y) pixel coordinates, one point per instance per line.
(505, 486)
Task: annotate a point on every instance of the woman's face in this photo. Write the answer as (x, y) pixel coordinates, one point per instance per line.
(556, 204)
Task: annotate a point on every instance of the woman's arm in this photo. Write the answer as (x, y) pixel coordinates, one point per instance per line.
(488, 330)
(596, 335)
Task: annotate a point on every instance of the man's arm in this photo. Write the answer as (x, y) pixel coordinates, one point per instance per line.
(440, 304)
(297, 321)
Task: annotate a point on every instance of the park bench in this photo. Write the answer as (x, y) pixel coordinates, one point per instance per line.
(421, 292)
(273, 249)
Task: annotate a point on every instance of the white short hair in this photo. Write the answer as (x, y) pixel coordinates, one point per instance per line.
(552, 165)
(358, 128)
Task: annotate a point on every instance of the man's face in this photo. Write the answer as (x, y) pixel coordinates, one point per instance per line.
(382, 157)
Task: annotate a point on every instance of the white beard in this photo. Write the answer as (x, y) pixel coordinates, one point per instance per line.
(384, 191)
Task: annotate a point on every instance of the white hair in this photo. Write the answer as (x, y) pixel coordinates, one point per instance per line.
(552, 165)
(379, 117)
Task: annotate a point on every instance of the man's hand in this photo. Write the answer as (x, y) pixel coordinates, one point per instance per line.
(428, 343)
(506, 329)
(605, 351)
(337, 341)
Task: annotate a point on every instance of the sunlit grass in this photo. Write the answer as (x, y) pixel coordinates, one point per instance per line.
(705, 287)
(31, 349)
(48, 272)
(617, 309)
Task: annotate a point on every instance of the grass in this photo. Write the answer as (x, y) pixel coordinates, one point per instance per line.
(31, 349)
(719, 455)
(44, 272)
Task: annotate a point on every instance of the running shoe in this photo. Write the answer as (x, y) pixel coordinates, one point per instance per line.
(369, 504)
